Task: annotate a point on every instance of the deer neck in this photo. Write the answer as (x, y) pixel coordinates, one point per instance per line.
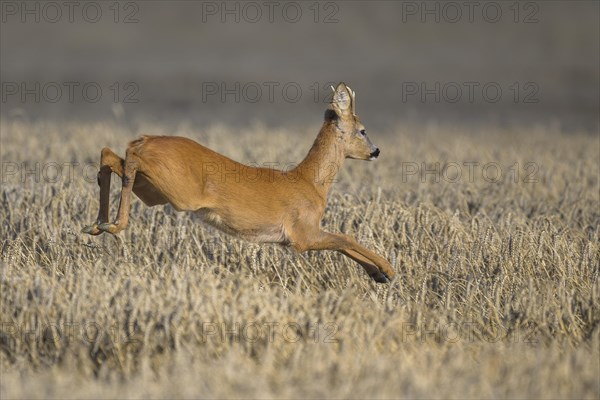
(323, 161)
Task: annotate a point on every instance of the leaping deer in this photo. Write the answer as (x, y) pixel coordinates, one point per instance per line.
(259, 204)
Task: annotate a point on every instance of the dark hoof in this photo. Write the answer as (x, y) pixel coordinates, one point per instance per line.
(108, 227)
(91, 230)
(380, 277)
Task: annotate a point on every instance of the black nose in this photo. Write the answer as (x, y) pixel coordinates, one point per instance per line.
(375, 154)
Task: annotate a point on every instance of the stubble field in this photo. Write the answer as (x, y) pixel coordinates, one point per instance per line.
(496, 292)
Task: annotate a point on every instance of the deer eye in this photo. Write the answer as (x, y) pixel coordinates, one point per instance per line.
(363, 132)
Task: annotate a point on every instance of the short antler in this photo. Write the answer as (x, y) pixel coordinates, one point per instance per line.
(353, 97)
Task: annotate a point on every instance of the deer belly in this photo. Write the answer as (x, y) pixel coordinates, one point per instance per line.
(242, 228)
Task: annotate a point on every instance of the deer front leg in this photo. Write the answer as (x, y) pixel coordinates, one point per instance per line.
(372, 269)
(109, 162)
(378, 268)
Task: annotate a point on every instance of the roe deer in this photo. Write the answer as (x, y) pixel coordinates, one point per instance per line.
(259, 204)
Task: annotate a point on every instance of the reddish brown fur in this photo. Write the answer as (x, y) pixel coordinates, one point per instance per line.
(260, 204)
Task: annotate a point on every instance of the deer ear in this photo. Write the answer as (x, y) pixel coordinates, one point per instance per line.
(342, 100)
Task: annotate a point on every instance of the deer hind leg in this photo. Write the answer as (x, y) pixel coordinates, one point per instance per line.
(378, 268)
(109, 162)
(132, 164)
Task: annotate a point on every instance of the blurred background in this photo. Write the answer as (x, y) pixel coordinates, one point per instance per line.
(504, 63)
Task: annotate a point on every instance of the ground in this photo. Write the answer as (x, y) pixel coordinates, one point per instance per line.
(496, 249)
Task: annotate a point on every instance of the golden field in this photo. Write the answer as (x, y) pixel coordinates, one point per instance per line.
(496, 293)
